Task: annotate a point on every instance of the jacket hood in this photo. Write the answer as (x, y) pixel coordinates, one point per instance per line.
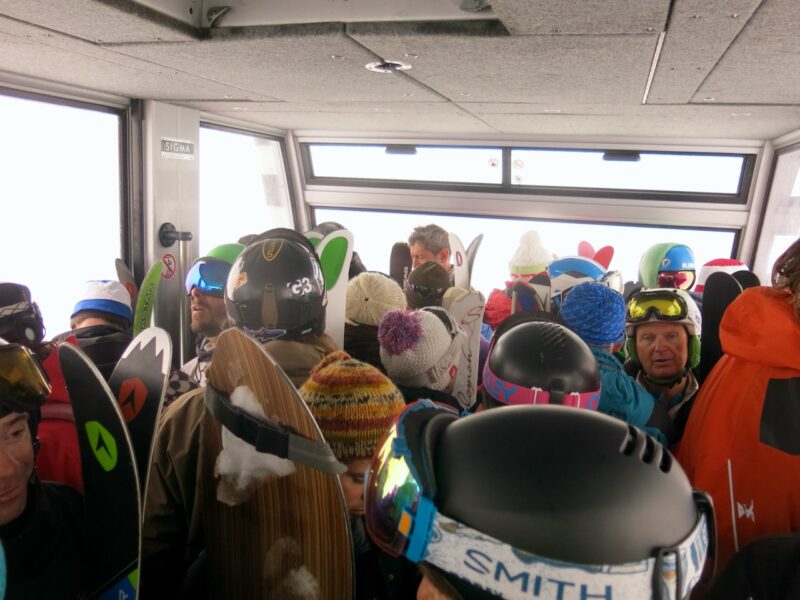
(760, 326)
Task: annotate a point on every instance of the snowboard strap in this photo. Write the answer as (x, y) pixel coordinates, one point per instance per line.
(270, 437)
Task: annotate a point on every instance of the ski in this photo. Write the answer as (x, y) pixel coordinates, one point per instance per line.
(110, 479)
(720, 290)
(472, 252)
(125, 277)
(466, 307)
(335, 251)
(460, 264)
(146, 300)
(400, 263)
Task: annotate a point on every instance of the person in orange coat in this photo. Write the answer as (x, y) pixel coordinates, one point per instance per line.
(742, 440)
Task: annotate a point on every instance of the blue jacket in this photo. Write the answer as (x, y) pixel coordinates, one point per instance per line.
(622, 397)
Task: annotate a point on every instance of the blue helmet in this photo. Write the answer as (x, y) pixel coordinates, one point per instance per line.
(567, 272)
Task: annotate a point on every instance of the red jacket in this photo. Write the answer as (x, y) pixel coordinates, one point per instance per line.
(742, 440)
(59, 457)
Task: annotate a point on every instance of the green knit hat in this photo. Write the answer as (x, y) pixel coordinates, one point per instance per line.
(353, 403)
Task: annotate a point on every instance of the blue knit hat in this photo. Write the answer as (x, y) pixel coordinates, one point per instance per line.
(596, 313)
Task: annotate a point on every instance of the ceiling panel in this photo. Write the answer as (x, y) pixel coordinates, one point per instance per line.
(699, 34)
(301, 63)
(762, 66)
(526, 17)
(592, 68)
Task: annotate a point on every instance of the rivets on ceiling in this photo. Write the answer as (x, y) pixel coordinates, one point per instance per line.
(709, 99)
(552, 111)
(465, 94)
(337, 57)
(383, 110)
(408, 94)
(650, 29)
(735, 16)
(741, 114)
(410, 55)
(387, 66)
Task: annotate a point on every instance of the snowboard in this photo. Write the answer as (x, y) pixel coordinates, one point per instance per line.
(720, 290)
(139, 382)
(466, 307)
(298, 520)
(146, 300)
(460, 264)
(747, 279)
(525, 297)
(126, 278)
(400, 264)
(110, 479)
(335, 251)
(541, 285)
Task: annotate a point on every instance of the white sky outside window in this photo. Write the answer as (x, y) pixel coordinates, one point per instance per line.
(374, 234)
(60, 197)
(243, 187)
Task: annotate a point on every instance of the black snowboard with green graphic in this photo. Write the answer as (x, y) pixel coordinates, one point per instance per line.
(110, 478)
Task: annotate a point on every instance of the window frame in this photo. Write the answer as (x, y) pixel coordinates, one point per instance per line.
(506, 187)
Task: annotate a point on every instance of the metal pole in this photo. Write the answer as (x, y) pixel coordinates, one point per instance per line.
(167, 235)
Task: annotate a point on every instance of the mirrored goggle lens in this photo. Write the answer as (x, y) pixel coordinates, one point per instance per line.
(427, 292)
(679, 280)
(208, 276)
(391, 499)
(669, 308)
(20, 374)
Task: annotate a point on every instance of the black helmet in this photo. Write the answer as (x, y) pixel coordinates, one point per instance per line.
(538, 361)
(532, 500)
(20, 319)
(276, 288)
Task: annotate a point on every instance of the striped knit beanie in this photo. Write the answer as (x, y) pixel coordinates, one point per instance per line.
(724, 265)
(353, 403)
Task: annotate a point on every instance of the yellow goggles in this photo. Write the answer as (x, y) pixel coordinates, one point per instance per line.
(664, 306)
(23, 384)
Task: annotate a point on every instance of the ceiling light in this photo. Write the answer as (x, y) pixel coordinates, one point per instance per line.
(387, 66)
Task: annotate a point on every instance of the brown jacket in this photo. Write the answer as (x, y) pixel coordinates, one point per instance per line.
(172, 529)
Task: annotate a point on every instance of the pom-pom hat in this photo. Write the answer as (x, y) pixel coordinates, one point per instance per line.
(353, 403)
(370, 295)
(105, 296)
(420, 348)
(596, 313)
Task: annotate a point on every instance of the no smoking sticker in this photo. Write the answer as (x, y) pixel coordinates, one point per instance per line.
(168, 266)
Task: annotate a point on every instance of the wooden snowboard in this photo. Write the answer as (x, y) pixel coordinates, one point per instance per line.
(293, 521)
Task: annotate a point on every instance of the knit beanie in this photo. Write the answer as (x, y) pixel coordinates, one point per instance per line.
(530, 257)
(370, 295)
(105, 296)
(417, 349)
(596, 313)
(427, 285)
(353, 403)
(724, 265)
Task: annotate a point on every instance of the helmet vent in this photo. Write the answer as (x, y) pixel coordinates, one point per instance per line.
(665, 464)
(649, 452)
(629, 443)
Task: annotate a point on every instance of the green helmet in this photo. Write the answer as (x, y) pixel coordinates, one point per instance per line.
(209, 273)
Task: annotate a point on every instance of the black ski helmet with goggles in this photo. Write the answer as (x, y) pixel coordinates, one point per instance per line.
(20, 318)
(534, 359)
(538, 501)
(275, 287)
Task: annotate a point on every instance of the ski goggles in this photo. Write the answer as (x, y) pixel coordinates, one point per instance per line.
(208, 276)
(23, 383)
(427, 293)
(510, 393)
(402, 520)
(665, 305)
(679, 280)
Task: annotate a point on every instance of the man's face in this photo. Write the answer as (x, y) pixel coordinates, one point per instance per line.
(663, 348)
(208, 313)
(420, 255)
(16, 465)
(353, 483)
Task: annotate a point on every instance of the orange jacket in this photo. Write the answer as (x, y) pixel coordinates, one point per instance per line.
(742, 440)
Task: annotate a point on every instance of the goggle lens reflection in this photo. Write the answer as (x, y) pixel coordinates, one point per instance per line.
(209, 277)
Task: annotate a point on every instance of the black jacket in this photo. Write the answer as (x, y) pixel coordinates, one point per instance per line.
(44, 546)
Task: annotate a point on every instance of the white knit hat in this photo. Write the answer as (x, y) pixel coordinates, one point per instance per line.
(418, 349)
(530, 257)
(370, 295)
